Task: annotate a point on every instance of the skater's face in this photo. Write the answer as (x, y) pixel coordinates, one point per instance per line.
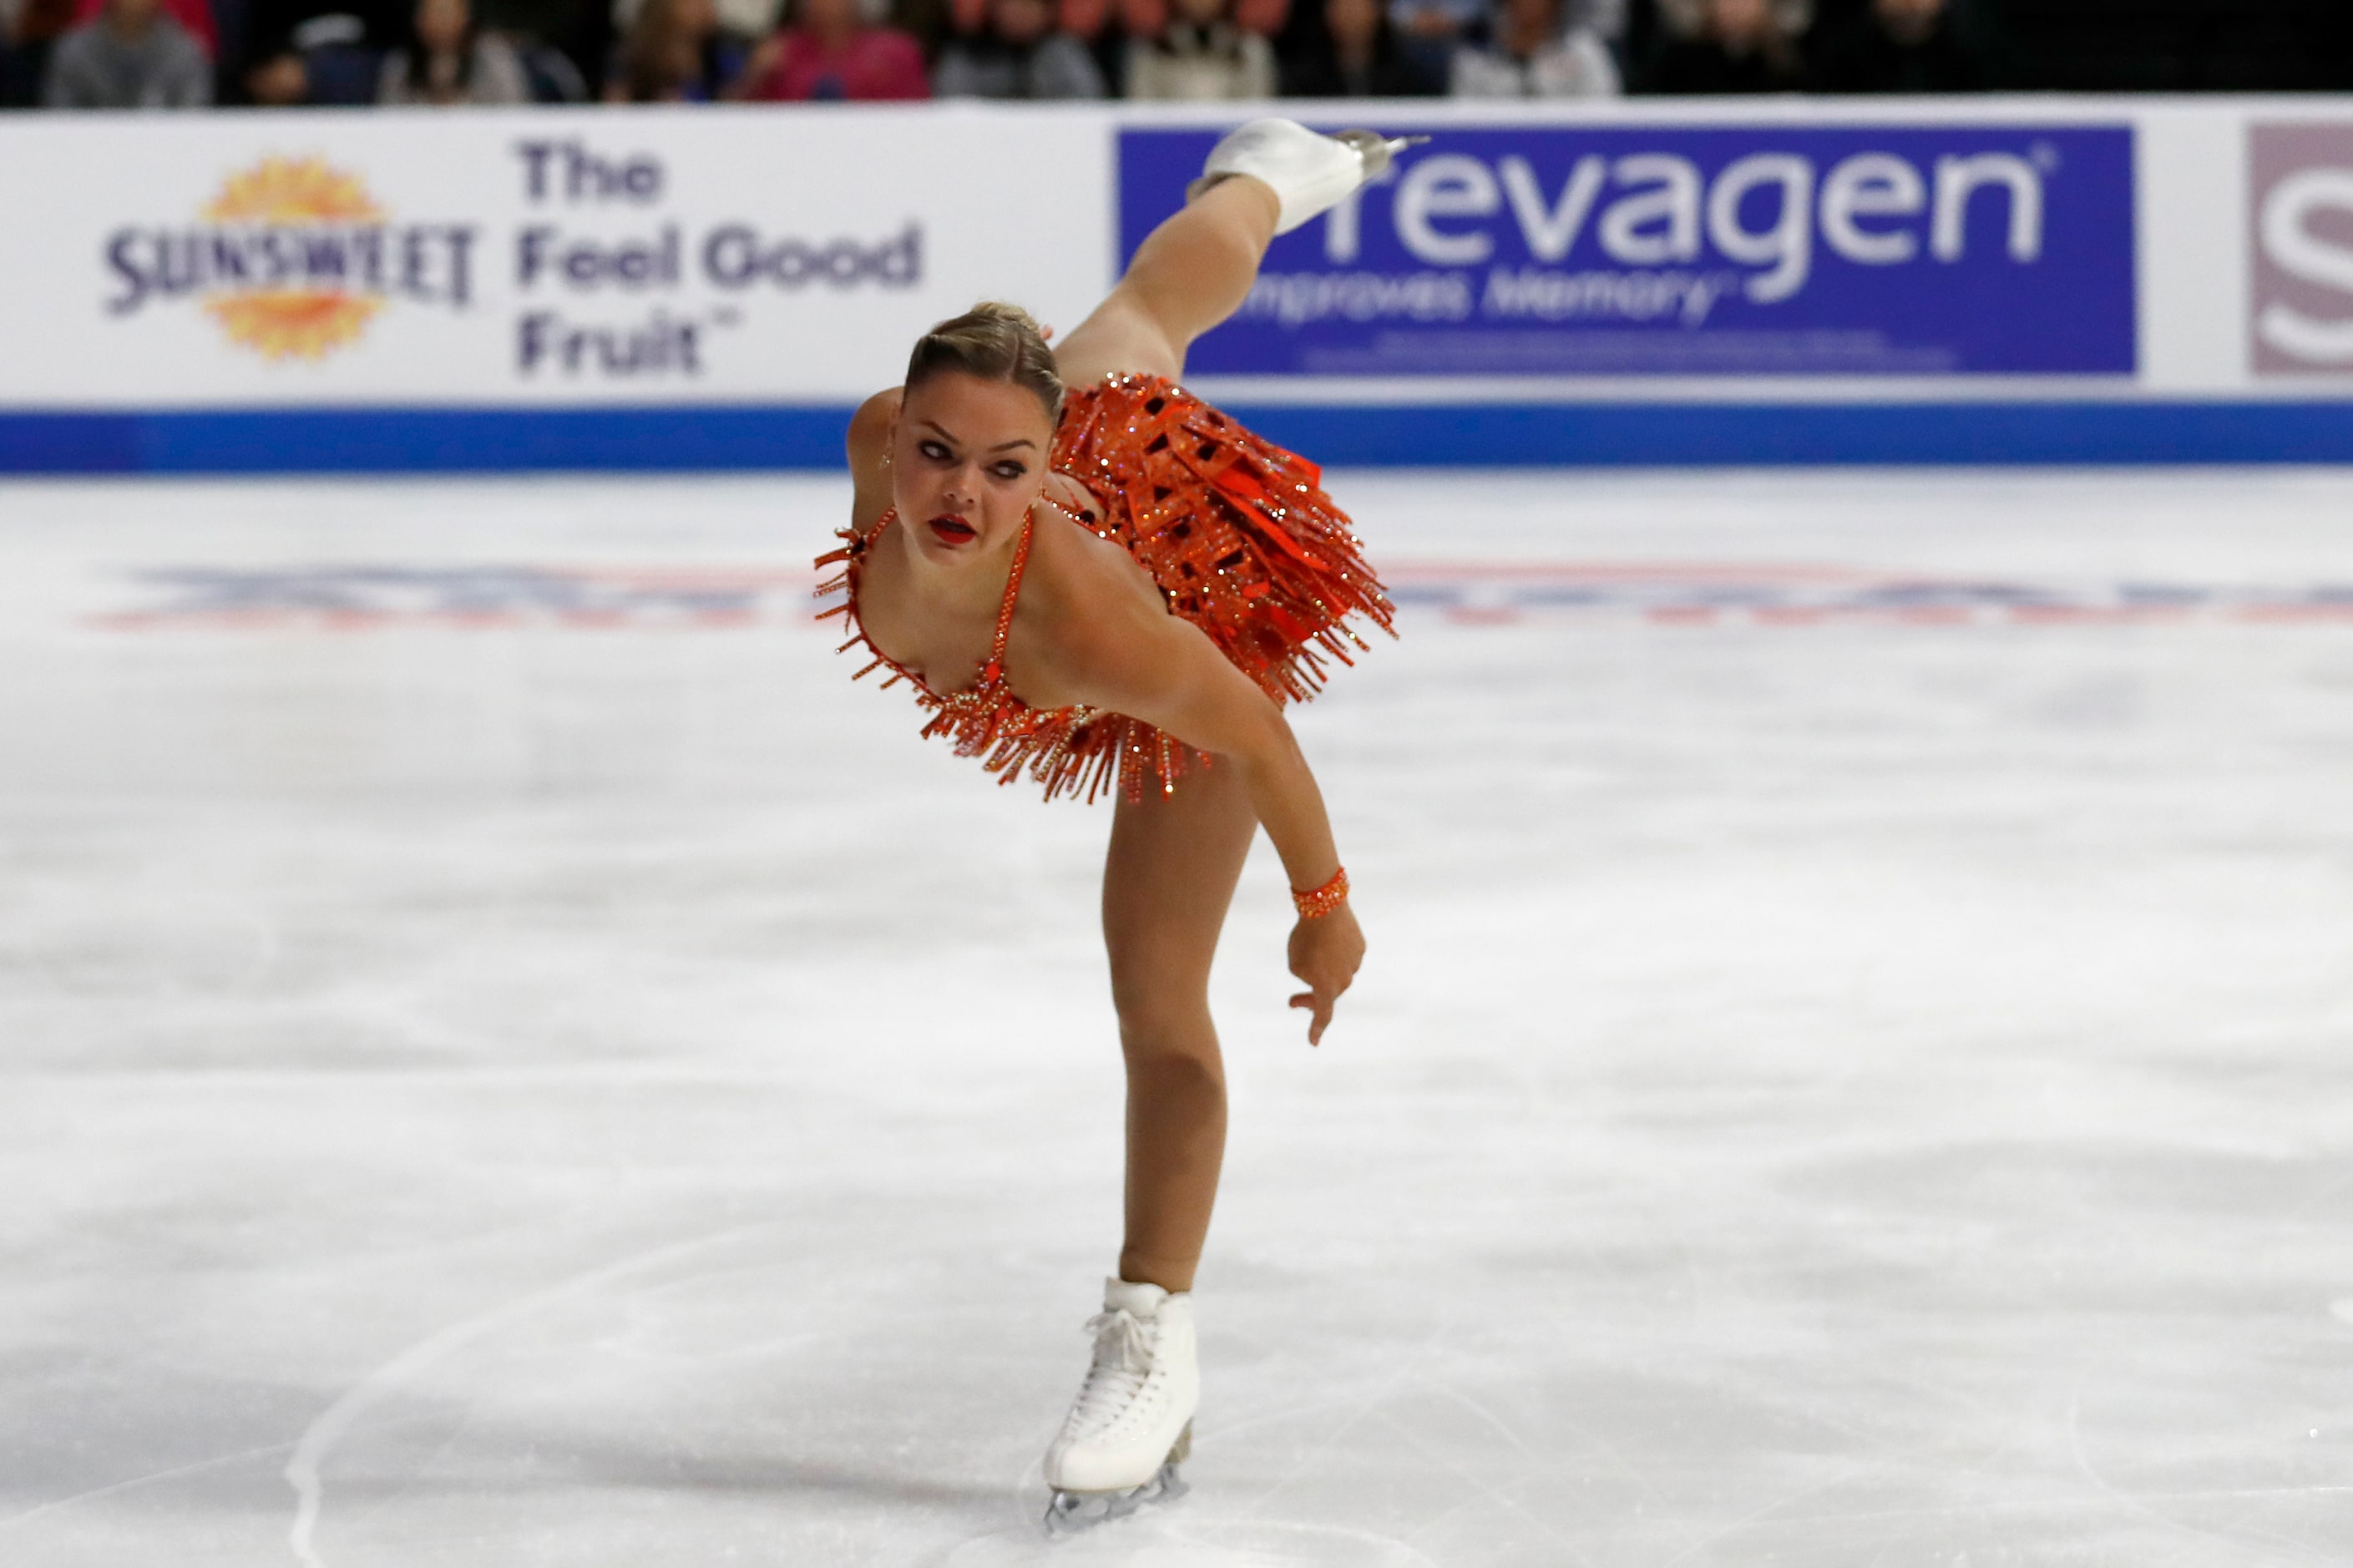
(967, 457)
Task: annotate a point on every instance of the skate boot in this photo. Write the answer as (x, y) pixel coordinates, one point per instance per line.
(1311, 173)
(1132, 1422)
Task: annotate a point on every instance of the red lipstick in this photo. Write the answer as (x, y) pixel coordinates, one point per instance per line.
(954, 530)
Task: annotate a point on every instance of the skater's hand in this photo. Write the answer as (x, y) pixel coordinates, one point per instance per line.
(1325, 953)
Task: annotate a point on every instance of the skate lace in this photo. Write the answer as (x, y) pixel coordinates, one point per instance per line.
(1123, 1361)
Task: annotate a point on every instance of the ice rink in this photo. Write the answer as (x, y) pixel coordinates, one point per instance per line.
(510, 1059)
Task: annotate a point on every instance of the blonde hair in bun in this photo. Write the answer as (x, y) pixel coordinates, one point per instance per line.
(993, 341)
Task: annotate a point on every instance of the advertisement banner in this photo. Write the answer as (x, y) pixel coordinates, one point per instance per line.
(506, 259)
(2301, 180)
(1989, 280)
(1664, 250)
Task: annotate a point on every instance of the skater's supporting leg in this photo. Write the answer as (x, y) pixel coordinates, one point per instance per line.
(1190, 274)
(1168, 879)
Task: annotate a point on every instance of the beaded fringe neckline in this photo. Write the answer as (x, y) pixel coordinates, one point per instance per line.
(1241, 541)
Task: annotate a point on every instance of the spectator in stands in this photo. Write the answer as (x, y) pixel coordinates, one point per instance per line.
(1742, 46)
(281, 79)
(564, 44)
(1433, 31)
(132, 56)
(1428, 31)
(1909, 46)
(1265, 17)
(446, 59)
(743, 20)
(1201, 55)
(829, 53)
(674, 52)
(1355, 53)
(1017, 53)
(1091, 23)
(196, 16)
(1530, 53)
(30, 29)
(931, 23)
(318, 51)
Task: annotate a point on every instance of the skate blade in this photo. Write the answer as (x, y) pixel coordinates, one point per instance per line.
(1069, 1513)
(1377, 151)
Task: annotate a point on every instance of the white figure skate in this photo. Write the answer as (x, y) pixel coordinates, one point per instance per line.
(1132, 1424)
(1311, 173)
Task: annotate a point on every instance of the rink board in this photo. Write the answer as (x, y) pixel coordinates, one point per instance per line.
(1985, 281)
(1585, 435)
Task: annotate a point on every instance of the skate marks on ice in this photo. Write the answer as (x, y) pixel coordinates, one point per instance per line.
(499, 1418)
(151, 1480)
(662, 1374)
(305, 1470)
(1182, 1529)
(1186, 1534)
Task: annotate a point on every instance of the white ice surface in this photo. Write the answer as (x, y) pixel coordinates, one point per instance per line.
(1836, 1093)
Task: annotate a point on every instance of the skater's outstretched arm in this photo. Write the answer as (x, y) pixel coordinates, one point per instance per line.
(1126, 653)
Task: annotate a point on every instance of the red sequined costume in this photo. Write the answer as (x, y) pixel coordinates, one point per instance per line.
(1238, 534)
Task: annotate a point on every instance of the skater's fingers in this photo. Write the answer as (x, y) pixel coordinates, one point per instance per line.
(1318, 1003)
(1325, 953)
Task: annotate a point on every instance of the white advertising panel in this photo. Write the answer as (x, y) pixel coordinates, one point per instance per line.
(2035, 279)
(520, 257)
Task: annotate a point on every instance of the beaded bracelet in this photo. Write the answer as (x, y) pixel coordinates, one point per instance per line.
(1321, 901)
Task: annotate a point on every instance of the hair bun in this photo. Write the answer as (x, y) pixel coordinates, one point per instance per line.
(994, 341)
(999, 311)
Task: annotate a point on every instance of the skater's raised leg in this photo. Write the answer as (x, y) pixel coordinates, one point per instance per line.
(1190, 273)
(1197, 267)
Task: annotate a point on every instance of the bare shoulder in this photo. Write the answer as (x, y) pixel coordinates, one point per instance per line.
(867, 444)
(870, 427)
(1085, 605)
(1079, 573)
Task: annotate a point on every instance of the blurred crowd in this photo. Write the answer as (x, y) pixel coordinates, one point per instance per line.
(178, 54)
(271, 53)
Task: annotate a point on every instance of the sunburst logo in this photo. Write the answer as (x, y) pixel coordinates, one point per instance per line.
(293, 258)
(303, 322)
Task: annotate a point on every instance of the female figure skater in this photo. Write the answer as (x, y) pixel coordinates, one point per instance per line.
(1115, 589)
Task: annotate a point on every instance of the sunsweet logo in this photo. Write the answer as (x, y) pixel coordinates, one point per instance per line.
(293, 258)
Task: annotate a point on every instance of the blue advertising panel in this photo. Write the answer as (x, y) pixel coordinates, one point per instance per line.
(1955, 249)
